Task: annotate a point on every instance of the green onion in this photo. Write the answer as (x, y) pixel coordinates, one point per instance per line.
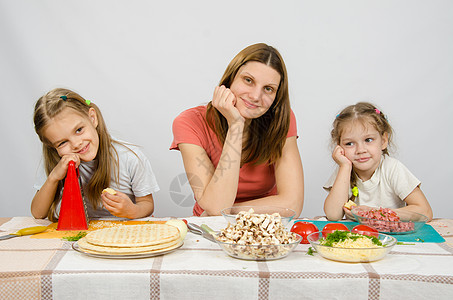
(76, 237)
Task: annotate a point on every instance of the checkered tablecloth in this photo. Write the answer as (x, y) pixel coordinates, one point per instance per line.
(51, 269)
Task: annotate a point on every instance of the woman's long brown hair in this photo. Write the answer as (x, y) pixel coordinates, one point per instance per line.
(46, 108)
(266, 134)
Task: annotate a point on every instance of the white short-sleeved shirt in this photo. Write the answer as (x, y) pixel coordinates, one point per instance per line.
(390, 184)
(136, 177)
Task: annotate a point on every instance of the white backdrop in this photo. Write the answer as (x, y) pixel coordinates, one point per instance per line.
(143, 62)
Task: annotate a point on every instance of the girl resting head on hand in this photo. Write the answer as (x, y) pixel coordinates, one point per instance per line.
(366, 173)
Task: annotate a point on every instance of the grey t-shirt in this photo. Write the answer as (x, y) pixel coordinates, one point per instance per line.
(136, 178)
(390, 184)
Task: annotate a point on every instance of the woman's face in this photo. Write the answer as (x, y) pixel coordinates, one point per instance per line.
(255, 87)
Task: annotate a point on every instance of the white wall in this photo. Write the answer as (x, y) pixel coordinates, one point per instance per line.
(143, 62)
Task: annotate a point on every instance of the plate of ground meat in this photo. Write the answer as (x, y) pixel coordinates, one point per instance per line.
(389, 221)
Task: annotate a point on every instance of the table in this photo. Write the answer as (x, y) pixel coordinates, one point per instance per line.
(51, 269)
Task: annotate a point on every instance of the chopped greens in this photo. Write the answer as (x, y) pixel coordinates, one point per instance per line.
(339, 236)
(311, 251)
(402, 243)
(76, 237)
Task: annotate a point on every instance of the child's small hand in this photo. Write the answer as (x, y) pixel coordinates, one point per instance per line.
(339, 157)
(61, 169)
(119, 205)
(348, 214)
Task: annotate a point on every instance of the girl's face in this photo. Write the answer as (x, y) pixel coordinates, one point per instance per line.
(255, 87)
(72, 133)
(363, 146)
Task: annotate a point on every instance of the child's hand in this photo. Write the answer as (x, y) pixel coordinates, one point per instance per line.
(119, 205)
(61, 169)
(339, 157)
(348, 214)
(225, 102)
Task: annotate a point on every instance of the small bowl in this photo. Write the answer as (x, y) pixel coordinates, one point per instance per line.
(230, 213)
(352, 255)
(258, 252)
(409, 222)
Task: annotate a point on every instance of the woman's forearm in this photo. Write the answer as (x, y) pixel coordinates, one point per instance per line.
(221, 190)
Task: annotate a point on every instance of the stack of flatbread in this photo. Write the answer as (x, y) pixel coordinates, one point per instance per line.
(131, 239)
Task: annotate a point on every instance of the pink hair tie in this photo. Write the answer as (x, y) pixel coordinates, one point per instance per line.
(377, 111)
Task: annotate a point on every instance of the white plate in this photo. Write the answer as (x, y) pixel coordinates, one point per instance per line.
(76, 247)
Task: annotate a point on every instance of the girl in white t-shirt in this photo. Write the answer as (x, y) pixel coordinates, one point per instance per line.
(366, 174)
(73, 129)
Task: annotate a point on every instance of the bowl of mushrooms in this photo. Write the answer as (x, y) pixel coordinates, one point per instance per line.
(257, 236)
(285, 214)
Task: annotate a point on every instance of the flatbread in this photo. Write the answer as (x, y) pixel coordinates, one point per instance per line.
(134, 235)
(90, 248)
(157, 251)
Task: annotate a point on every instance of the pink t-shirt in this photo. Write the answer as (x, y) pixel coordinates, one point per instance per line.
(254, 181)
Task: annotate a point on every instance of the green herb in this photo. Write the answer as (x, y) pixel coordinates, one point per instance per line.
(420, 240)
(339, 236)
(76, 237)
(401, 243)
(310, 251)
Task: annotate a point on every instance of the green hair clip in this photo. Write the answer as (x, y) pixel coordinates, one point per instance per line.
(64, 98)
(88, 102)
(355, 191)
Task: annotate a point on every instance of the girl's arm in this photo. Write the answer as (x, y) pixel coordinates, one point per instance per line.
(43, 198)
(417, 202)
(289, 177)
(120, 205)
(339, 193)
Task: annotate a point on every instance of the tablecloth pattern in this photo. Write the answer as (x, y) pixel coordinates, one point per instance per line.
(51, 269)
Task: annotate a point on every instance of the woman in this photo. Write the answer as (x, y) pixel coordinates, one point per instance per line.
(241, 148)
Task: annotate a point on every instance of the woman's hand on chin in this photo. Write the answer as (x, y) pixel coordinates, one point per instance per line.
(225, 102)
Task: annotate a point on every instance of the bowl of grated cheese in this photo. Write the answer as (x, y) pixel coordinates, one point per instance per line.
(345, 246)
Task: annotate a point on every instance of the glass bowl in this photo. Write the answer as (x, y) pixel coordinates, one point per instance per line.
(286, 214)
(258, 252)
(409, 222)
(352, 255)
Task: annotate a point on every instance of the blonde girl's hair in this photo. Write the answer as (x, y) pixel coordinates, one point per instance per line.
(267, 134)
(366, 114)
(49, 106)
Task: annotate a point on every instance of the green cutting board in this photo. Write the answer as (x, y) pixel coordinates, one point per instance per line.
(426, 233)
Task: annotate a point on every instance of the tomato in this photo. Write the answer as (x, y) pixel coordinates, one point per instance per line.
(365, 230)
(185, 221)
(304, 229)
(331, 227)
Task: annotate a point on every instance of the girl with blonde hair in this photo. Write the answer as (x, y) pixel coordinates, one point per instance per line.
(366, 174)
(72, 128)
